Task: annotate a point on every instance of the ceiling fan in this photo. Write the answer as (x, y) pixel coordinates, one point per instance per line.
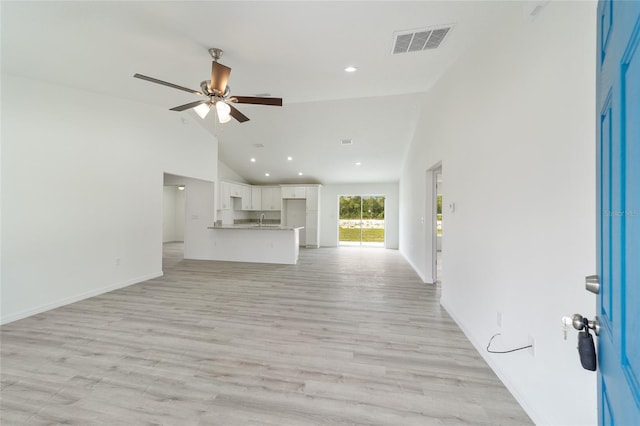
(217, 93)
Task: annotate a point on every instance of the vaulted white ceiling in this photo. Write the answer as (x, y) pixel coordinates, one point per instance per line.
(296, 50)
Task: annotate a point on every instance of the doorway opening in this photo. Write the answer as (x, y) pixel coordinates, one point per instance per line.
(433, 224)
(191, 210)
(361, 220)
(173, 217)
(438, 232)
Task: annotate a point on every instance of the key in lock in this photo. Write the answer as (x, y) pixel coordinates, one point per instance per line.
(586, 345)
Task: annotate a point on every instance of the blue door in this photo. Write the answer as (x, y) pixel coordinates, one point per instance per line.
(618, 162)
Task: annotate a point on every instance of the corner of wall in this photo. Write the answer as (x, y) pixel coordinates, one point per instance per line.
(517, 393)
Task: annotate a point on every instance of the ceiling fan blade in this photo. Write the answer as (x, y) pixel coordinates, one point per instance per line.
(257, 100)
(188, 106)
(219, 77)
(164, 83)
(237, 114)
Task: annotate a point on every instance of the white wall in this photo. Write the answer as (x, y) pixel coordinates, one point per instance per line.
(514, 125)
(173, 202)
(200, 214)
(82, 186)
(227, 173)
(180, 209)
(169, 213)
(329, 210)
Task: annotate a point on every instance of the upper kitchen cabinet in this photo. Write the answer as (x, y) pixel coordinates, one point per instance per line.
(224, 200)
(294, 192)
(246, 198)
(271, 198)
(228, 191)
(256, 198)
(235, 190)
(313, 197)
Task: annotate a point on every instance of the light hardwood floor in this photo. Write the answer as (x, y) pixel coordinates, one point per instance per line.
(348, 336)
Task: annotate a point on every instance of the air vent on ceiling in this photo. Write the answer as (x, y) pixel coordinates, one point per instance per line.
(258, 145)
(417, 40)
(347, 142)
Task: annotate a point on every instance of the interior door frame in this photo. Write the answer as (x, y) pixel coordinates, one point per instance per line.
(430, 222)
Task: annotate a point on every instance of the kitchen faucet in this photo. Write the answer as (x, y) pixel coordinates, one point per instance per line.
(261, 218)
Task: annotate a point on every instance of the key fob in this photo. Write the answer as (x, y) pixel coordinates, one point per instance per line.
(587, 351)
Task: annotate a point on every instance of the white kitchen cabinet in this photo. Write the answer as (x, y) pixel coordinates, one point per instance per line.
(224, 200)
(235, 190)
(271, 198)
(313, 197)
(246, 197)
(276, 198)
(256, 198)
(312, 225)
(293, 192)
(312, 229)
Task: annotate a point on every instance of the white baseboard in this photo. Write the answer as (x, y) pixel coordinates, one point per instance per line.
(417, 271)
(76, 298)
(517, 394)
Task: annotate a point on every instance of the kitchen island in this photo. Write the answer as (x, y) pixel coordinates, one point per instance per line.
(255, 243)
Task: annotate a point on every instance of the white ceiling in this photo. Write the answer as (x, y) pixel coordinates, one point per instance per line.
(296, 50)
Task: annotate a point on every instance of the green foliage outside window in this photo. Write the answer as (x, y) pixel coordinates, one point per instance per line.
(372, 207)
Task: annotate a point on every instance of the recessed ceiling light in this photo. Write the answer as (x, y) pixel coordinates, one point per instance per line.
(289, 158)
(266, 174)
(351, 69)
(299, 173)
(253, 160)
(358, 163)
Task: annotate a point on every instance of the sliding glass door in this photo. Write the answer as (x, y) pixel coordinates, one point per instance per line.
(361, 220)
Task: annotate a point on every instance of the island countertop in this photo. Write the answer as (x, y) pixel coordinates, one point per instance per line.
(255, 226)
(241, 243)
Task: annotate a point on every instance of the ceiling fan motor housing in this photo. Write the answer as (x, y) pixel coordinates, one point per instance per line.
(205, 86)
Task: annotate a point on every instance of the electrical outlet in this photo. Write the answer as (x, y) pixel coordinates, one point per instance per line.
(532, 343)
(499, 319)
(117, 261)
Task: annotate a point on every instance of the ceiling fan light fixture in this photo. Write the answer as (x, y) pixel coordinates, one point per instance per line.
(202, 110)
(224, 112)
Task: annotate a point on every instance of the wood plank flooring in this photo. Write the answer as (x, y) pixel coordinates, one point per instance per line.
(348, 336)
